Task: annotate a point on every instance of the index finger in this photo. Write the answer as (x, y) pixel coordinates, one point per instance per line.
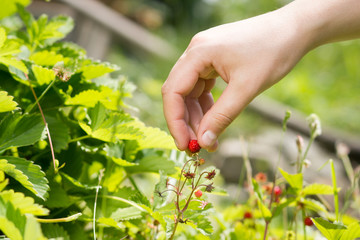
(180, 82)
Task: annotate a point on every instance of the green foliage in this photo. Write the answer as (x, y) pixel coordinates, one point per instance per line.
(6, 102)
(26, 173)
(67, 144)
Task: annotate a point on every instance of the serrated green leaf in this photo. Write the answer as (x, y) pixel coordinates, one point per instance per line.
(123, 163)
(7, 50)
(110, 222)
(2, 37)
(122, 132)
(54, 232)
(129, 213)
(314, 205)
(201, 223)
(6, 102)
(317, 188)
(153, 137)
(23, 203)
(153, 164)
(57, 28)
(352, 232)
(8, 7)
(26, 173)
(91, 70)
(20, 130)
(48, 58)
(43, 75)
(10, 61)
(330, 230)
(89, 98)
(71, 185)
(295, 180)
(17, 226)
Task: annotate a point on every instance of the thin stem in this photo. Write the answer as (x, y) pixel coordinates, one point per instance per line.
(306, 152)
(266, 229)
(79, 138)
(41, 96)
(304, 226)
(96, 196)
(336, 195)
(46, 127)
(59, 220)
(175, 226)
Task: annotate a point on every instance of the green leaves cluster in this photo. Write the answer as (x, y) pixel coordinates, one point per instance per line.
(84, 109)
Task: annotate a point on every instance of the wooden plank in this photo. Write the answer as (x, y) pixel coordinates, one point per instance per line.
(124, 28)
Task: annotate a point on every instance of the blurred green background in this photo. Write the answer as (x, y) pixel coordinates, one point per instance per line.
(326, 81)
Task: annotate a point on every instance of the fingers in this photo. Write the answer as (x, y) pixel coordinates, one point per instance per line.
(182, 82)
(222, 113)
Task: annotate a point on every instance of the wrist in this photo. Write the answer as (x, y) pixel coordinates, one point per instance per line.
(323, 21)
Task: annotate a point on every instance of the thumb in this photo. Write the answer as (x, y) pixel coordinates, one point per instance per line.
(232, 101)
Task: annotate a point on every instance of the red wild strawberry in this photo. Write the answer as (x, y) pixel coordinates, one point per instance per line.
(261, 177)
(248, 215)
(308, 221)
(277, 191)
(198, 193)
(194, 146)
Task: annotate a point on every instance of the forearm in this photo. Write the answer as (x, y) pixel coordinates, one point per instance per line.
(325, 21)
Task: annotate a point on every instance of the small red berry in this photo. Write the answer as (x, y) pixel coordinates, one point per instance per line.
(198, 193)
(261, 177)
(277, 191)
(248, 215)
(194, 146)
(308, 221)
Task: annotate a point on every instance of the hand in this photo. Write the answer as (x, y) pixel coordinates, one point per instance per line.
(250, 56)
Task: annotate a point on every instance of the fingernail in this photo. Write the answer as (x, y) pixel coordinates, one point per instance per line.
(208, 138)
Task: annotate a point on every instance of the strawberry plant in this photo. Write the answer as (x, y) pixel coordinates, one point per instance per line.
(71, 156)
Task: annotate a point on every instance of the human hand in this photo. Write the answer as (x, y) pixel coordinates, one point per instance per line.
(250, 56)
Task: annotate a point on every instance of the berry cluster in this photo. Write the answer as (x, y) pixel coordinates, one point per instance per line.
(190, 176)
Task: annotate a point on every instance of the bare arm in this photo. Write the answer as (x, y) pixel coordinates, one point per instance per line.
(250, 56)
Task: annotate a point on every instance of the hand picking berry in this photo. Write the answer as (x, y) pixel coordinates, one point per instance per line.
(194, 146)
(198, 193)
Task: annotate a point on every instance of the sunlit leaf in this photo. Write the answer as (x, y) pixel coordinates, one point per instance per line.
(153, 164)
(17, 226)
(6, 102)
(43, 75)
(26, 173)
(318, 188)
(89, 98)
(352, 232)
(8, 7)
(23, 203)
(330, 230)
(91, 69)
(47, 58)
(295, 180)
(126, 214)
(314, 205)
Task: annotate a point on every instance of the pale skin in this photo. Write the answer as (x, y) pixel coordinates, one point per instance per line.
(250, 56)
